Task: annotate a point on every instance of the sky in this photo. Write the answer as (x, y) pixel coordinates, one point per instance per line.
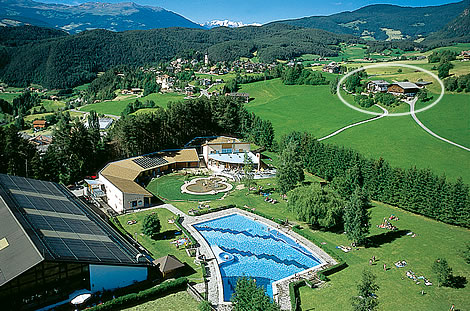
(258, 11)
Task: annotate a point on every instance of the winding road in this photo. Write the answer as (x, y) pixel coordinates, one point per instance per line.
(357, 123)
(412, 110)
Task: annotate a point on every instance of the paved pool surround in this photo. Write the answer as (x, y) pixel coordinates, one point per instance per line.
(217, 255)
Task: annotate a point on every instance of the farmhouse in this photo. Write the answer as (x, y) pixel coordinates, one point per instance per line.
(403, 88)
(41, 142)
(52, 245)
(124, 180)
(377, 86)
(228, 153)
(39, 125)
(466, 55)
(332, 67)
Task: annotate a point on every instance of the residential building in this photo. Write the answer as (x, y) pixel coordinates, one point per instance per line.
(244, 96)
(403, 88)
(39, 125)
(377, 86)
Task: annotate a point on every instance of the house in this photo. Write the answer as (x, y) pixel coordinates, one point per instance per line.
(465, 54)
(52, 245)
(104, 123)
(403, 88)
(332, 67)
(39, 125)
(377, 86)
(124, 180)
(165, 81)
(244, 96)
(189, 90)
(205, 82)
(132, 91)
(228, 153)
(41, 142)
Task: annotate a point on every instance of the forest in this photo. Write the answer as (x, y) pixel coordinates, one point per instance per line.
(67, 61)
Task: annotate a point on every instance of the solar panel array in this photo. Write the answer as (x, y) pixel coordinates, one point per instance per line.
(149, 162)
(74, 234)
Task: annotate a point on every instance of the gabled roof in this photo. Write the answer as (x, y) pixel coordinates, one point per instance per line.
(379, 82)
(39, 122)
(123, 173)
(168, 263)
(406, 85)
(222, 140)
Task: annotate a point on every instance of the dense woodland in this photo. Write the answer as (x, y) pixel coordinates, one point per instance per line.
(66, 61)
(417, 190)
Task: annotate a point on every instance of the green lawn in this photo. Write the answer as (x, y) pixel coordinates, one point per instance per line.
(168, 187)
(180, 301)
(9, 96)
(115, 107)
(397, 292)
(299, 107)
(161, 246)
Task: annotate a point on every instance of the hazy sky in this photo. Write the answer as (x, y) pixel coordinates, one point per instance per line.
(258, 11)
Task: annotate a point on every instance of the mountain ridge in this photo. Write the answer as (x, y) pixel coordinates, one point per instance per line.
(90, 15)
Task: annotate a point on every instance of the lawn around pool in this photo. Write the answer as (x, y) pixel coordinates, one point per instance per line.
(179, 301)
(168, 188)
(161, 246)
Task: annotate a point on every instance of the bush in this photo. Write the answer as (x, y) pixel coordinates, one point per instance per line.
(205, 305)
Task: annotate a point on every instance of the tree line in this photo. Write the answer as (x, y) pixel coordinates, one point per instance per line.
(417, 190)
(297, 75)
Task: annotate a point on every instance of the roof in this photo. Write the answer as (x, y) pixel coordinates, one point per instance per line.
(39, 122)
(406, 85)
(235, 158)
(379, 82)
(222, 140)
(52, 224)
(104, 123)
(17, 251)
(123, 173)
(168, 263)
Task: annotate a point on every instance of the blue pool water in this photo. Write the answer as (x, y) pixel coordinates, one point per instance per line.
(245, 247)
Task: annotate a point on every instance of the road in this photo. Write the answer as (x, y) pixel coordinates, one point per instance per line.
(357, 123)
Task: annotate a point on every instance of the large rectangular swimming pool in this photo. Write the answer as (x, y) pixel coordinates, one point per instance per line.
(245, 247)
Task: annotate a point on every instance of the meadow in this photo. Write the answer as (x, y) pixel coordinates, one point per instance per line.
(117, 106)
(299, 107)
(397, 139)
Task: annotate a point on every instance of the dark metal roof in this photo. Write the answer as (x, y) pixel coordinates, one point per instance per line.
(17, 252)
(57, 226)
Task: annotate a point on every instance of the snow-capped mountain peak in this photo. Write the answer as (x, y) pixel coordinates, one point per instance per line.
(227, 23)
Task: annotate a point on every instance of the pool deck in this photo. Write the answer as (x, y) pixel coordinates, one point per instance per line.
(214, 278)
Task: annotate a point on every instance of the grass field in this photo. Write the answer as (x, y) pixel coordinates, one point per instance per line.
(168, 187)
(9, 96)
(161, 246)
(397, 292)
(299, 107)
(397, 139)
(179, 301)
(115, 107)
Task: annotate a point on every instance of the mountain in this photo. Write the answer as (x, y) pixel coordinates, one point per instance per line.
(384, 21)
(457, 30)
(226, 23)
(76, 18)
(59, 61)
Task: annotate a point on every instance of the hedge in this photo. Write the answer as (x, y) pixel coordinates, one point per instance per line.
(211, 210)
(186, 232)
(276, 220)
(145, 295)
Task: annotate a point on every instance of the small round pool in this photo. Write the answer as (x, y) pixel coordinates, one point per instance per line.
(226, 257)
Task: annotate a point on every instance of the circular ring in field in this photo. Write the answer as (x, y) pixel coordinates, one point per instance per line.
(390, 65)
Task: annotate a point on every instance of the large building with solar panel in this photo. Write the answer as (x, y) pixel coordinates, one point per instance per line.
(124, 181)
(51, 245)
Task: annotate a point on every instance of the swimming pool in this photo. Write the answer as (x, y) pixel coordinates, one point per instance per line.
(245, 247)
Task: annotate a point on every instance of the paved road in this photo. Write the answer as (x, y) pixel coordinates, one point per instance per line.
(86, 112)
(412, 110)
(357, 123)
